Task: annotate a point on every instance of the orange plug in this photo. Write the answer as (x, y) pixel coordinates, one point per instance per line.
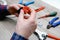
(53, 37)
(26, 9)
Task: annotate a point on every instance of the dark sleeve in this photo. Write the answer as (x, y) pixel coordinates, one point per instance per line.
(3, 12)
(17, 37)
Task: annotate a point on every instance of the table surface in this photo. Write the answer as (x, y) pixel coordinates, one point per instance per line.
(54, 3)
(7, 26)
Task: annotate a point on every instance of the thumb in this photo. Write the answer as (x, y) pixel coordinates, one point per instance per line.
(21, 14)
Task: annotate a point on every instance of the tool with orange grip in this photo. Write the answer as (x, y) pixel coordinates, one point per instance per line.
(44, 35)
(40, 8)
(53, 37)
(28, 10)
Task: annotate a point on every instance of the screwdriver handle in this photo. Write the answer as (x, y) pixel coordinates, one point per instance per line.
(53, 14)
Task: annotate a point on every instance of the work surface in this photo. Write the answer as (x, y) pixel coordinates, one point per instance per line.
(7, 26)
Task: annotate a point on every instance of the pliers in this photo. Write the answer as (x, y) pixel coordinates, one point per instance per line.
(27, 3)
(27, 9)
(52, 23)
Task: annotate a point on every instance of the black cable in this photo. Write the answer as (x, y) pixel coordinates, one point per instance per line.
(19, 10)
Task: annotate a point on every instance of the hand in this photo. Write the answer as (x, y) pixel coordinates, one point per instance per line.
(13, 8)
(25, 27)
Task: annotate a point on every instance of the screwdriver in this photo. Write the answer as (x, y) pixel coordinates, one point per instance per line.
(51, 14)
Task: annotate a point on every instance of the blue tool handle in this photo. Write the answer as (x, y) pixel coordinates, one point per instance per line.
(28, 3)
(53, 20)
(20, 1)
(56, 24)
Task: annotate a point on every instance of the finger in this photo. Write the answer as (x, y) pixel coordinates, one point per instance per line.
(19, 5)
(16, 7)
(16, 14)
(33, 14)
(21, 15)
(26, 16)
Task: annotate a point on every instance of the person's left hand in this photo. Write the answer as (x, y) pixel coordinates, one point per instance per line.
(13, 8)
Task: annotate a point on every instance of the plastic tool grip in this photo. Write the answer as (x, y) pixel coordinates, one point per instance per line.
(53, 20)
(20, 1)
(53, 37)
(39, 9)
(28, 10)
(53, 14)
(28, 3)
(56, 24)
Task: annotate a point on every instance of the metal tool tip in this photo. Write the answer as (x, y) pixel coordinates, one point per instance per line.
(48, 26)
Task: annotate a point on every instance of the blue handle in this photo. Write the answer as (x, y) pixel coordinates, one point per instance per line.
(28, 3)
(21, 2)
(53, 20)
(56, 24)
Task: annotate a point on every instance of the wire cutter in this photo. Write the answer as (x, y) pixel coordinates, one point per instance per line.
(27, 3)
(43, 35)
(52, 23)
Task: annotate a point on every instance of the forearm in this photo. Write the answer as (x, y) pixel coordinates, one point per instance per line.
(3, 11)
(17, 37)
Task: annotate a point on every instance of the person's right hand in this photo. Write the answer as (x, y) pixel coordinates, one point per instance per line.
(25, 27)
